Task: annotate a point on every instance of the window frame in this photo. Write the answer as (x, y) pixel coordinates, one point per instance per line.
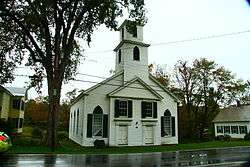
(235, 129)
(227, 131)
(148, 111)
(97, 128)
(219, 129)
(243, 129)
(119, 109)
(136, 53)
(119, 56)
(167, 126)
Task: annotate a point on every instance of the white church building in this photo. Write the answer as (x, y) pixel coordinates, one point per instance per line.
(131, 108)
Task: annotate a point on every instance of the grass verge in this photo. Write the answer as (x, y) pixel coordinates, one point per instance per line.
(68, 147)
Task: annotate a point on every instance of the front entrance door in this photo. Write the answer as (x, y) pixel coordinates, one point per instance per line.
(123, 135)
(148, 135)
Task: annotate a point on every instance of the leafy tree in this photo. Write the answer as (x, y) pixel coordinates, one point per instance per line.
(203, 87)
(48, 33)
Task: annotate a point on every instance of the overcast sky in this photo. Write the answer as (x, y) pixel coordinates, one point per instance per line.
(174, 20)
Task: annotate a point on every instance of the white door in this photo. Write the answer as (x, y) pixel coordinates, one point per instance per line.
(148, 135)
(123, 135)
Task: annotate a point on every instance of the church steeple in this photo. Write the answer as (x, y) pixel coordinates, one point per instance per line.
(131, 52)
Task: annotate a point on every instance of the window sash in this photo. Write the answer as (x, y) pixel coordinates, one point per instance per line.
(167, 127)
(219, 129)
(234, 129)
(227, 129)
(148, 109)
(123, 108)
(243, 129)
(97, 125)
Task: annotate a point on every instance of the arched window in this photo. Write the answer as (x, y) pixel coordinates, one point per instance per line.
(166, 124)
(122, 33)
(119, 56)
(136, 53)
(77, 121)
(97, 126)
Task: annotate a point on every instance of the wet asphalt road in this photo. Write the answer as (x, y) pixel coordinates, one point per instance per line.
(213, 157)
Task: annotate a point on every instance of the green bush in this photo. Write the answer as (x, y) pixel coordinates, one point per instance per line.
(247, 136)
(37, 133)
(227, 138)
(27, 141)
(62, 136)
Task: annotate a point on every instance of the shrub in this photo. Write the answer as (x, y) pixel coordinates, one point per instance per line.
(62, 136)
(37, 133)
(219, 138)
(99, 143)
(227, 137)
(247, 136)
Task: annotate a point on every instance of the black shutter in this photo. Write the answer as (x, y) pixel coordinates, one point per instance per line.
(89, 126)
(162, 127)
(154, 109)
(105, 126)
(116, 108)
(173, 126)
(143, 115)
(130, 109)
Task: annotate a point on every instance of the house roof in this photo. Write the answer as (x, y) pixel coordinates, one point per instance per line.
(95, 86)
(5, 90)
(16, 91)
(125, 23)
(142, 83)
(130, 42)
(234, 114)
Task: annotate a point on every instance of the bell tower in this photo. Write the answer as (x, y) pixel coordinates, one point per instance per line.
(131, 52)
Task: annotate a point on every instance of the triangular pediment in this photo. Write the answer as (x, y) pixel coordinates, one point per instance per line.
(136, 88)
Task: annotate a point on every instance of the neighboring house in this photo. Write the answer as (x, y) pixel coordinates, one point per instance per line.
(131, 108)
(12, 106)
(233, 121)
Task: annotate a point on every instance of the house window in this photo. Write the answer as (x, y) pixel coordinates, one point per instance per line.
(243, 129)
(227, 129)
(136, 53)
(219, 129)
(97, 122)
(77, 121)
(122, 33)
(123, 108)
(235, 129)
(74, 126)
(16, 104)
(166, 123)
(119, 56)
(148, 109)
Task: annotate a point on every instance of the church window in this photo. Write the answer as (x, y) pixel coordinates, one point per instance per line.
(136, 53)
(119, 56)
(123, 108)
(167, 124)
(122, 33)
(77, 121)
(97, 123)
(148, 109)
(135, 32)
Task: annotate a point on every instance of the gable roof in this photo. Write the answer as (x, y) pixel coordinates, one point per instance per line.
(130, 42)
(142, 83)
(5, 90)
(163, 87)
(16, 91)
(83, 93)
(233, 114)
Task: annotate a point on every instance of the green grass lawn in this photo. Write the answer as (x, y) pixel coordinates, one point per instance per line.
(68, 147)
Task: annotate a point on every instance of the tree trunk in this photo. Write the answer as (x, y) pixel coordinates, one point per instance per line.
(54, 91)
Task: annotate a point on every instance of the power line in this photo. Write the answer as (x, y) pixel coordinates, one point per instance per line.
(182, 41)
(110, 84)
